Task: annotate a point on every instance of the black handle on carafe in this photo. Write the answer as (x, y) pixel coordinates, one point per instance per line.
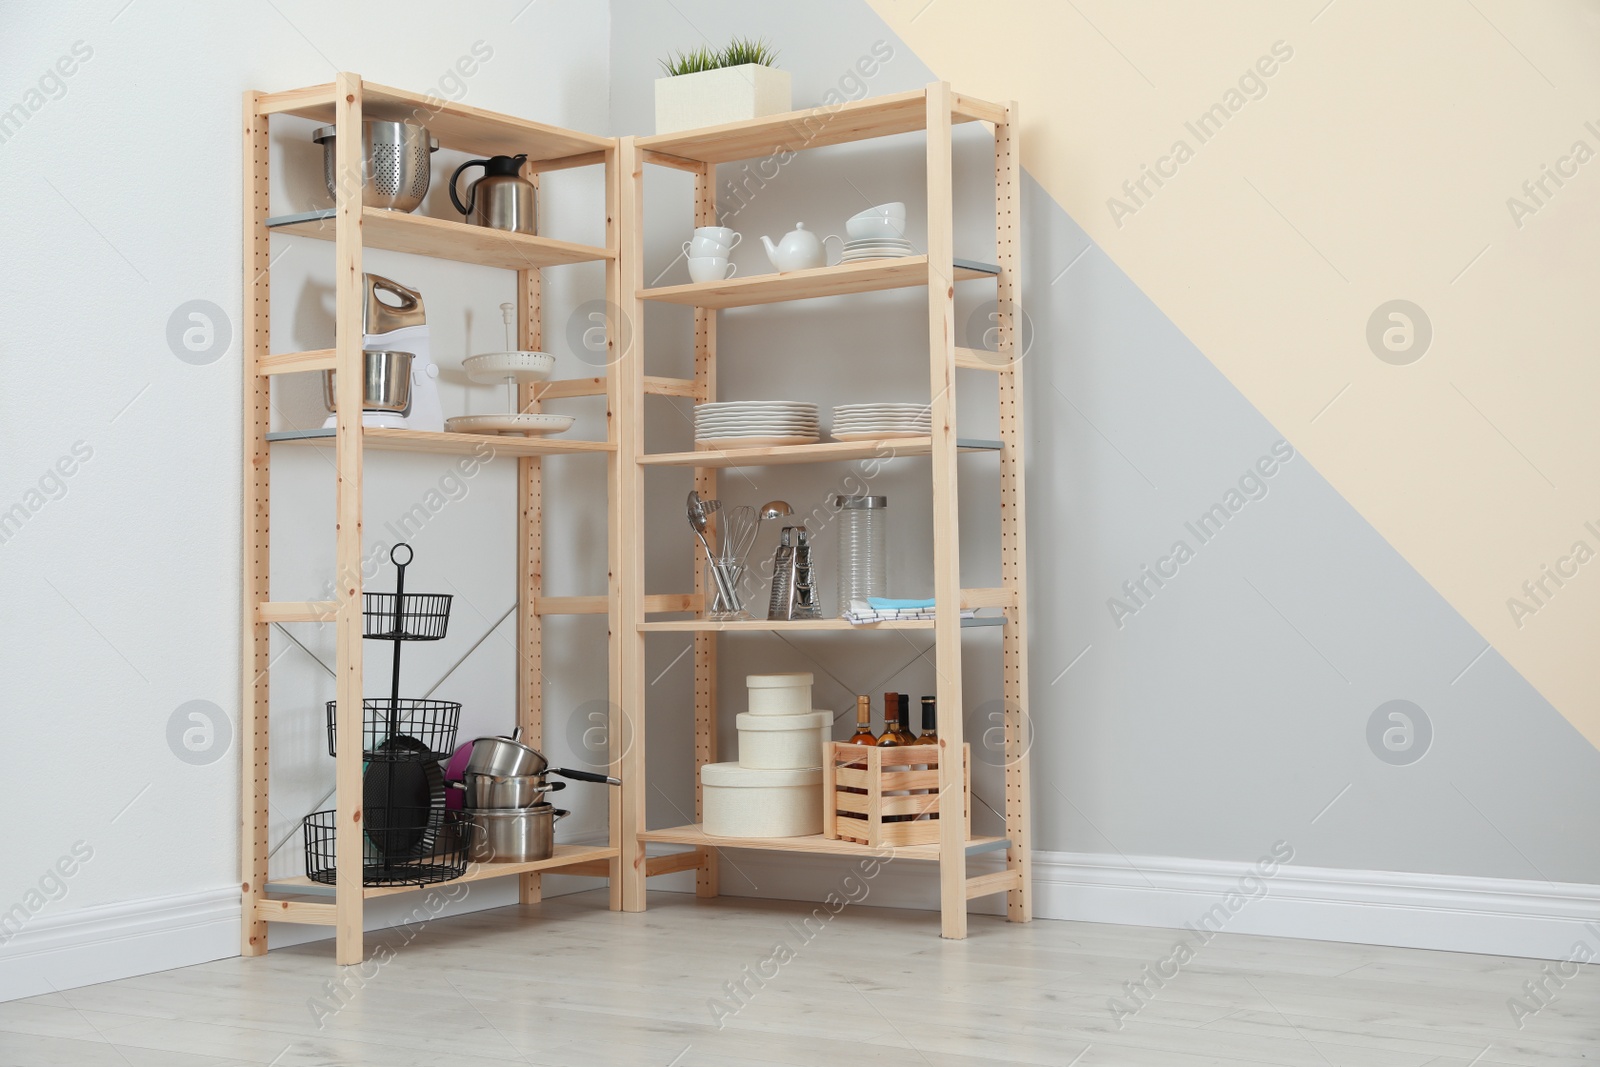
(472, 191)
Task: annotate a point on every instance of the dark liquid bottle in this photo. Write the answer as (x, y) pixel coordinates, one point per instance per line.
(930, 724)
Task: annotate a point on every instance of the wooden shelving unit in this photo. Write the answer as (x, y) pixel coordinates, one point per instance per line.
(352, 228)
(933, 110)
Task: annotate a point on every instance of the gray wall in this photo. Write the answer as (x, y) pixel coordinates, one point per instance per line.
(1235, 704)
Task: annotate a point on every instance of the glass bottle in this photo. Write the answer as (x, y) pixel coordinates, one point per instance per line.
(903, 726)
(930, 724)
(862, 548)
(863, 734)
(891, 720)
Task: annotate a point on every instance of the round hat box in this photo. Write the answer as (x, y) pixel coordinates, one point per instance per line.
(745, 802)
(783, 742)
(779, 694)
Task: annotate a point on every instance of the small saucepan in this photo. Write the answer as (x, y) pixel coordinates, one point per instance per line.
(513, 791)
(508, 757)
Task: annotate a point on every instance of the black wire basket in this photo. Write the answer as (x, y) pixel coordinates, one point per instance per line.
(421, 616)
(401, 851)
(411, 728)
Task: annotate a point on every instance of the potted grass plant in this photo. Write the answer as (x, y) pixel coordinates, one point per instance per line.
(706, 87)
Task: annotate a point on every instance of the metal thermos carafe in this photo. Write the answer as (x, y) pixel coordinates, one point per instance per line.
(502, 199)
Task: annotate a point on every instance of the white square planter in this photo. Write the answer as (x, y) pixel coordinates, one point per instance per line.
(712, 97)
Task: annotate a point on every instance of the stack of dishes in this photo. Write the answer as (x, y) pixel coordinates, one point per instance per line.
(755, 424)
(877, 233)
(865, 422)
(877, 248)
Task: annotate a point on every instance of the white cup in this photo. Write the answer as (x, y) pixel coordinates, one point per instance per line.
(722, 235)
(711, 268)
(862, 227)
(705, 246)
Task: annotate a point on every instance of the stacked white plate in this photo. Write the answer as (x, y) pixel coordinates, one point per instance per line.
(756, 424)
(863, 422)
(877, 248)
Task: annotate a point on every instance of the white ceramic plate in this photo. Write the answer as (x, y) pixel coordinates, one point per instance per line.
(748, 416)
(879, 435)
(758, 442)
(526, 423)
(769, 417)
(754, 405)
(493, 368)
(874, 409)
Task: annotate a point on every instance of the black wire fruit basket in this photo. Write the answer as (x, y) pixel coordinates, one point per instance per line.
(409, 839)
(403, 616)
(407, 847)
(428, 727)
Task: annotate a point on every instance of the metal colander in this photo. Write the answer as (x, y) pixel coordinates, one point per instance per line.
(394, 163)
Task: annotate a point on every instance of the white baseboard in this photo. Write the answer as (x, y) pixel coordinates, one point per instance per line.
(1496, 916)
(99, 944)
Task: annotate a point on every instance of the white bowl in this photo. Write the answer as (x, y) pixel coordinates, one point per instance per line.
(875, 226)
(896, 210)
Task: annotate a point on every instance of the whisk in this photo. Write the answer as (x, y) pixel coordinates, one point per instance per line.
(739, 527)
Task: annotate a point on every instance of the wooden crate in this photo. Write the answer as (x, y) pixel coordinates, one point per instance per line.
(865, 789)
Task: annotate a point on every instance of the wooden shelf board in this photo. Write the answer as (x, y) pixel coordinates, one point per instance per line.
(823, 452)
(421, 235)
(840, 279)
(694, 835)
(390, 440)
(467, 129)
(803, 625)
(565, 855)
(818, 127)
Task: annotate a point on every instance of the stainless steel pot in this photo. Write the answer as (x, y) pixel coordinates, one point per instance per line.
(506, 791)
(513, 835)
(385, 382)
(505, 757)
(395, 163)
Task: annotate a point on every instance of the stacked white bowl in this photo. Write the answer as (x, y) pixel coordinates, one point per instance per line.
(775, 788)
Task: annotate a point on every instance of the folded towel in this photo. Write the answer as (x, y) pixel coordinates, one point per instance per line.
(879, 603)
(868, 611)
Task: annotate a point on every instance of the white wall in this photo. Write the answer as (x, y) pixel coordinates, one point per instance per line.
(123, 202)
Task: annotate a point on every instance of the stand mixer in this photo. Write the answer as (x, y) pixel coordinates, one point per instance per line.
(401, 327)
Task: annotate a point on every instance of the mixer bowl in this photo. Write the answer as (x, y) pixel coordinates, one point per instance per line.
(395, 163)
(386, 382)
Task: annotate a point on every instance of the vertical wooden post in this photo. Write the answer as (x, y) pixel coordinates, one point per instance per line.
(946, 528)
(530, 544)
(707, 881)
(255, 656)
(1013, 516)
(625, 395)
(347, 544)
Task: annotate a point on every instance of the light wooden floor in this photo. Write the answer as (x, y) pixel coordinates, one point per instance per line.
(568, 982)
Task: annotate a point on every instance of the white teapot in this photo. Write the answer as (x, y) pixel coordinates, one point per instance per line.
(800, 249)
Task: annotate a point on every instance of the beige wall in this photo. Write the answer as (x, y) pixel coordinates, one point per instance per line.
(1370, 152)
